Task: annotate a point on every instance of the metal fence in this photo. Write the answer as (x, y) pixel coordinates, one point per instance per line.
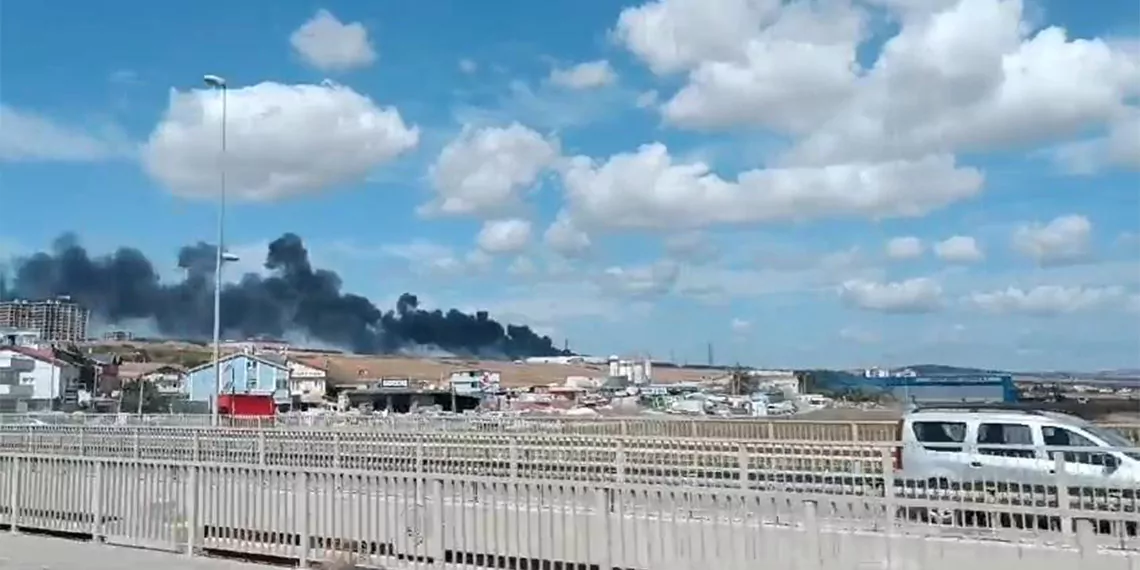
(710, 428)
(832, 468)
(609, 458)
(415, 520)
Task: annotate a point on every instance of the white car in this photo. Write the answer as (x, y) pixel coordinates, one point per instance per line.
(1009, 443)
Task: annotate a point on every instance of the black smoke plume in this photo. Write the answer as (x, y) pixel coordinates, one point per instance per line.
(293, 298)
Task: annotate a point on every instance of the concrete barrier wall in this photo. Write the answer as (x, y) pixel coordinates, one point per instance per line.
(441, 521)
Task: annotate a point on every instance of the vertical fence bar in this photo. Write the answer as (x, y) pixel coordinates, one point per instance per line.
(301, 520)
(193, 516)
(15, 483)
(97, 509)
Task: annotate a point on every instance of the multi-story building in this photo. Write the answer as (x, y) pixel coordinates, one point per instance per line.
(46, 381)
(56, 320)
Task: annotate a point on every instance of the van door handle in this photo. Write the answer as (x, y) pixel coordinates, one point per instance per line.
(975, 464)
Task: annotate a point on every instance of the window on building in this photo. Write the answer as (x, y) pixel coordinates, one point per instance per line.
(992, 435)
(940, 436)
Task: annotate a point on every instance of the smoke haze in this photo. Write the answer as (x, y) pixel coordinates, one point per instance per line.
(295, 300)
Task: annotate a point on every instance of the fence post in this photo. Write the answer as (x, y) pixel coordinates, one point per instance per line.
(137, 451)
(602, 508)
(97, 502)
(619, 461)
(1061, 480)
(812, 555)
(336, 449)
(420, 452)
(1086, 542)
(513, 454)
(888, 480)
(261, 447)
(743, 464)
(854, 431)
(438, 516)
(192, 514)
(14, 495)
(301, 504)
(196, 447)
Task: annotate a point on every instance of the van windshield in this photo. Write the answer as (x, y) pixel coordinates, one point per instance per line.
(1115, 439)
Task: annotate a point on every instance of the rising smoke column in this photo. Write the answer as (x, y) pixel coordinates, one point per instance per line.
(294, 297)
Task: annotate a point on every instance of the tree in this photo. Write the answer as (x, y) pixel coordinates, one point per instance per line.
(153, 401)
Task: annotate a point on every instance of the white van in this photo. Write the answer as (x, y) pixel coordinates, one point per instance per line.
(1009, 443)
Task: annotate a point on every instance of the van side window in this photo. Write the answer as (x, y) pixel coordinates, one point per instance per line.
(940, 436)
(1004, 435)
(1061, 437)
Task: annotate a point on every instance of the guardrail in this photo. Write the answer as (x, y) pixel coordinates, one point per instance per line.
(643, 459)
(416, 520)
(846, 468)
(710, 428)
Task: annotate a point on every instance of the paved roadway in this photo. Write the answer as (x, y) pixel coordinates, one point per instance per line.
(22, 552)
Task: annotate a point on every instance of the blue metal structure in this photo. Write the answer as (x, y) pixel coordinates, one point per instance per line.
(919, 389)
(969, 388)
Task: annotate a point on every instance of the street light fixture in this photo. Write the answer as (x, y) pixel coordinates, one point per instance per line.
(218, 83)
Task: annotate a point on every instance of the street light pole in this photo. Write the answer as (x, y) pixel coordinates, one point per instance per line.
(219, 84)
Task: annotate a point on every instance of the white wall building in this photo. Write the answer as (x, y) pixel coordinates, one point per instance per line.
(474, 381)
(53, 381)
(307, 383)
(12, 392)
(784, 381)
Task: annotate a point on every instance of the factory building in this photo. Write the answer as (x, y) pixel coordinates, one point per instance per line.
(54, 320)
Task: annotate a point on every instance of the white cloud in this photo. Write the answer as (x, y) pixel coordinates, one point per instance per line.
(965, 75)
(646, 280)
(1120, 147)
(545, 106)
(431, 258)
(1133, 303)
(588, 75)
(907, 247)
(484, 171)
(26, 136)
(565, 238)
(740, 326)
(1046, 300)
(692, 246)
(328, 44)
(646, 99)
(504, 236)
(959, 249)
(468, 66)
(777, 272)
(647, 189)
(1063, 241)
(919, 295)
(282, 140)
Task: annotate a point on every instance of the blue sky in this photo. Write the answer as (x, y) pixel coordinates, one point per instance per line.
(831, 183)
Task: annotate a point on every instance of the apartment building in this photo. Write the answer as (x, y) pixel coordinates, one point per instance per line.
(56, 320)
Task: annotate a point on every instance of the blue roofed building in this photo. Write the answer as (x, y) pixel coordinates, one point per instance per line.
(242, 373)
